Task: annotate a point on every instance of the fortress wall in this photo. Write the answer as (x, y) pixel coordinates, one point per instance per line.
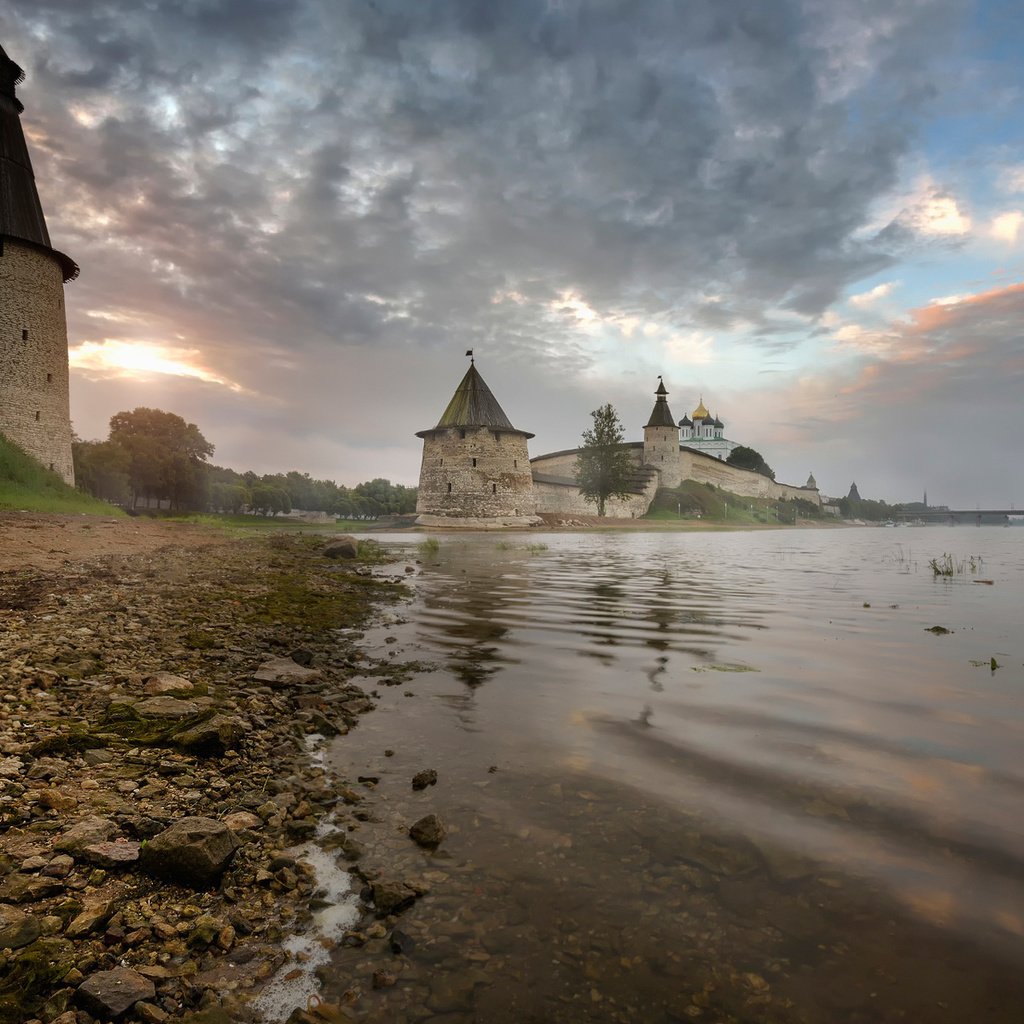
(499, 485)
(566, 499)
(34, 411)
(707, 469)
(563, 464)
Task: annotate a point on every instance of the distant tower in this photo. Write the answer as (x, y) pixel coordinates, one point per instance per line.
(34, 410)
(661, 439)
(811, 484)
(854, 494)
(925, 499)
(476, 465)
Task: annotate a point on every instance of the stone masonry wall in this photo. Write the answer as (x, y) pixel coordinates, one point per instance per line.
(707, 469)
(34, 409)
(565, 498)
(481, 474)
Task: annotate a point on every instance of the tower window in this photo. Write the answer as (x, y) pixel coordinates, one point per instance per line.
(474, 462)
(462, 434)
(49, 378)
(494, 488)
(51, 465)
(24, 334)
(515, 463)
(442, 462)
(449, 488)
(37, 415)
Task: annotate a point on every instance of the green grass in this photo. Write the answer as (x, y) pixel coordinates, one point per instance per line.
(947, 565)
(245, 524)
(692, 500)
(429, 547)
(25, 485)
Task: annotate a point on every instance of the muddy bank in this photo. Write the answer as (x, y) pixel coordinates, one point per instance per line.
(156, 709)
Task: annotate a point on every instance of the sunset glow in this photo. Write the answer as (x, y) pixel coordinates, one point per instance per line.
(142, 360)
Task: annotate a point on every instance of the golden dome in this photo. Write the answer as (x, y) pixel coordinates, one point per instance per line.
(700, 413)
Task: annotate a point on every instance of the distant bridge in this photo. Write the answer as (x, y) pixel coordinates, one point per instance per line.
(976, 516)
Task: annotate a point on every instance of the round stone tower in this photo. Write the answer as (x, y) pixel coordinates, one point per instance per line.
(661, 440)
(476, 466)
(34, 409)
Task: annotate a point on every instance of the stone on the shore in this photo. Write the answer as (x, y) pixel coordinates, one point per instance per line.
(19, 888)
(193, 852)
(117, 854)
(213, 737)
(427, 777)
(166, 684)
(113, 993)
(84, 833)
(166, 707)
(283, 671)
(238, 821)
(341, 547)
(92, 918)
(16, 928)
(428, 831)
(391, 897)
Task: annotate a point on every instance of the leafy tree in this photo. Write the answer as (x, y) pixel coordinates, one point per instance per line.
(166, 456)
(101, 469)
(604, 468)
(225, 497)
(746, 458)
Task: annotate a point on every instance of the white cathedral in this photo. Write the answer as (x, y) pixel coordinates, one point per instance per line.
(705, 433)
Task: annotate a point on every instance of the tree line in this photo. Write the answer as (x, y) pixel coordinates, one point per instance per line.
(151, 455)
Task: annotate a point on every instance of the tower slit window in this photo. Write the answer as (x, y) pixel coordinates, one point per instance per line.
(24, 334)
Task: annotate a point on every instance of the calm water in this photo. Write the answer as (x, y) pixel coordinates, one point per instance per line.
(711, 777)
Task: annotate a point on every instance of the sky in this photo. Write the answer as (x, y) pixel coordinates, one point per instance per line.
(293, 217)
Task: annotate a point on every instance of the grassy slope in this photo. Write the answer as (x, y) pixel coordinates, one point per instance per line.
(25, 485)
(692, 497)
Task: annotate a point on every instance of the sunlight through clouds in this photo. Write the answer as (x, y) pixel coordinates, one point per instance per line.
(115, 358)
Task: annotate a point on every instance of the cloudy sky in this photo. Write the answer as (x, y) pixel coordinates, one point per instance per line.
(294, 216)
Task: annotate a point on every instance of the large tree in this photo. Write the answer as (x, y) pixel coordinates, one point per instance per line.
(604, 468)
(747, 458)
(166, 456)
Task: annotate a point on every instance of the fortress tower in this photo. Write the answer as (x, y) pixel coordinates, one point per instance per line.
(34, 410)
(661, 440)
(476, 465)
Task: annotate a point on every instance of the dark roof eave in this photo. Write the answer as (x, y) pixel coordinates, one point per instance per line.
(474, 426)
(68, 267)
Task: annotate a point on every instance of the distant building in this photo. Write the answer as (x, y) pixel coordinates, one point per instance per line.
(705, 433)
(476, 468)
(34, 406)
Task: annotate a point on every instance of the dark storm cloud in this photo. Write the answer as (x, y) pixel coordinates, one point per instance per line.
(286, 177)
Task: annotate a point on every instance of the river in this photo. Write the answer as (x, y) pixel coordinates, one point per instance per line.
(709, 776)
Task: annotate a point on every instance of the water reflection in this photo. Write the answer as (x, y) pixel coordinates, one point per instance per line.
(738, 741)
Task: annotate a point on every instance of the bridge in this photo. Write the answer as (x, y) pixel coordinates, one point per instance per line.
(953, 516)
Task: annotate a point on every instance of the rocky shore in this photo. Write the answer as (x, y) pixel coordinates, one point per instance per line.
(156, 713)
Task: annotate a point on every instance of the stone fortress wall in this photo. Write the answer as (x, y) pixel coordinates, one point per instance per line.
(34, 356)
(555, 474)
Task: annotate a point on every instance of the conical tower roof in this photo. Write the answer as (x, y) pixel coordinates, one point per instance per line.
(661, 415)
(21, 214)
(474, 405)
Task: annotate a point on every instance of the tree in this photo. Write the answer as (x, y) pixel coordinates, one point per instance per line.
(604, 468)
(101, 469)
(746, 458)
(166, 456)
